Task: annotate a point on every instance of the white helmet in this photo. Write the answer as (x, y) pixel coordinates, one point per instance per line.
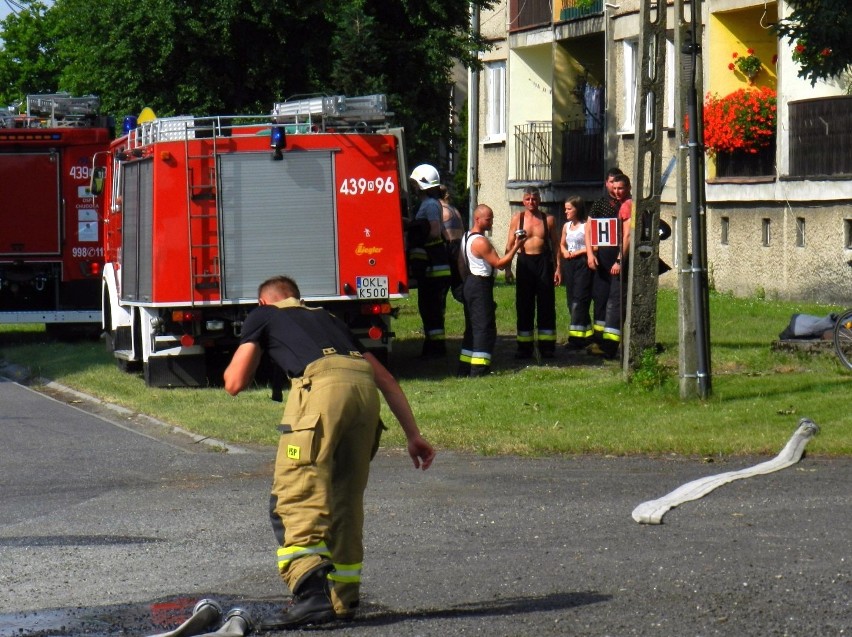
(426, 177)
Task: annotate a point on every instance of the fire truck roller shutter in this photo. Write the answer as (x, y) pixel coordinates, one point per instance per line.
(279, 217)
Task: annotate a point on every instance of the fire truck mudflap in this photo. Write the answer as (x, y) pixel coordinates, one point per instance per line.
(199, 211)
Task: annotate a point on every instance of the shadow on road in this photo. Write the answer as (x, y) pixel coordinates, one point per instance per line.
(166, 614)
(491, 608)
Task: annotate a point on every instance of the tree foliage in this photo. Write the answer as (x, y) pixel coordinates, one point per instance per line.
(819, 32)
(28, 63)
(241, 56)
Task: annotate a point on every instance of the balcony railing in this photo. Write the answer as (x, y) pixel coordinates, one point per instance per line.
(533, 151)
(821, 137)
(582, 151)
(529, 13)
(570, 10)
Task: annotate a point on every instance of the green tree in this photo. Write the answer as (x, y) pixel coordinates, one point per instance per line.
(407, 50)
(241, 56)
(214, 56)
(28, 61)
(819, 32)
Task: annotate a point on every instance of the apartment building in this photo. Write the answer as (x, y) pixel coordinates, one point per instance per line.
(556, 109)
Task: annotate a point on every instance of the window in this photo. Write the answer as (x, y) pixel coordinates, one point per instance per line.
(632, 56)
(847, 234)
(631, 53)
(726, 225)
(765, 234)
(495, 102)
(800, 232)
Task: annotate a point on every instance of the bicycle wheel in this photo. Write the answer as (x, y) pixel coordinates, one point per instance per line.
(843, 338)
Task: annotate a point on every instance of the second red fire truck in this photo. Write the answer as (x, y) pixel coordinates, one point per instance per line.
(199, 211)
(51, 247)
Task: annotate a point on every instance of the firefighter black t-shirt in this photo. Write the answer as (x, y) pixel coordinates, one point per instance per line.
(295, 336)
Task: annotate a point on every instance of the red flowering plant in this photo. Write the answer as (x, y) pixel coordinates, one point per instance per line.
(744, 120)
(748, 64)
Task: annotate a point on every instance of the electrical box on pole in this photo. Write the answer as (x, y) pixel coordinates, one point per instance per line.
(643, 268)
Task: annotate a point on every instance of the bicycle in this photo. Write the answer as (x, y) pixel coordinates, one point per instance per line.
(843, 338)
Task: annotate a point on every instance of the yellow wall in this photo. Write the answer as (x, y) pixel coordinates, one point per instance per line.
(739, 31)
(530, 78)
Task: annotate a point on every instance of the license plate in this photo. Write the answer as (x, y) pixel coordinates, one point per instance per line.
(372, 287)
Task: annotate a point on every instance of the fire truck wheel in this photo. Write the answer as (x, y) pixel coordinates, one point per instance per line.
(128, 367)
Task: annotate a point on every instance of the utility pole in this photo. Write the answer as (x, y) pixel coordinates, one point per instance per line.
(643, 270)
(693, 302)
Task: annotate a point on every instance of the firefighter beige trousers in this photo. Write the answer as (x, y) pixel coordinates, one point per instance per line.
(330, 432)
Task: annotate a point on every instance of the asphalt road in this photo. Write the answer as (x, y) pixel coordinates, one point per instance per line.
(113, 525)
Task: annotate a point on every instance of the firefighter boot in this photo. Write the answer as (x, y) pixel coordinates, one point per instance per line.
(547, 349)
(238, 623)
(610, 349)
(310, 605)
(434, 348)
(480, 370)
(525, 350)
(205, 613)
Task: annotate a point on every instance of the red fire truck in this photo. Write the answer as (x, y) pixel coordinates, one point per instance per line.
(199, 211)
(51, 249)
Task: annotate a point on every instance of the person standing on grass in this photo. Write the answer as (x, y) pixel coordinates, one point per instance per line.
(329, 433)
(536, 274)
(604, 208)
(480, 321)
(433, 287)
(609, 266)
(576, 274)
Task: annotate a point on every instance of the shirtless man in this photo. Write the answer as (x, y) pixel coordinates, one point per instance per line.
(536, 276)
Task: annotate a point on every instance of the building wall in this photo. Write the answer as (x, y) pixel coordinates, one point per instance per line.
(493, 162)
(539, 86)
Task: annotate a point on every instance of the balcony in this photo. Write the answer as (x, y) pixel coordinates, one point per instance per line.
(570, 10)
(524, 14)
(533, 151)
(821, 137)
(582, 151)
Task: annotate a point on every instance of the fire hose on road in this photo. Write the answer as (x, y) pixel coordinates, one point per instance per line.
(652, 511)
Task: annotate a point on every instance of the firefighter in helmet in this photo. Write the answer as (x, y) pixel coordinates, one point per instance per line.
(434, 283)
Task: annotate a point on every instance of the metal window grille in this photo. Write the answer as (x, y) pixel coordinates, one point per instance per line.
(533, 151)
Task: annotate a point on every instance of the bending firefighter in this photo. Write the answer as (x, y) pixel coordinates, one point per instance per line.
(329, 433)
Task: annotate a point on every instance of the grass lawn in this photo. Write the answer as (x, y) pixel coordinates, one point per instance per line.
(572, 404)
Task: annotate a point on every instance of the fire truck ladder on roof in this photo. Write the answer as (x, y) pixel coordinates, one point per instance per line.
(338, 112)
(202, 174)
(62, 110)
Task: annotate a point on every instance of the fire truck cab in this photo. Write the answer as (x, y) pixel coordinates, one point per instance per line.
(51, 247)
(198, 211)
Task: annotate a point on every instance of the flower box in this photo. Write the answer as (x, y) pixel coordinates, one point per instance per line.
(741, 163)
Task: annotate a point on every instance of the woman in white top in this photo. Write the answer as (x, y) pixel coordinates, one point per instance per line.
(576, 273)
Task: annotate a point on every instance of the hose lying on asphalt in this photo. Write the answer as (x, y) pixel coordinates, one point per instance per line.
(238, 623)
(204, 615)
(652, 511)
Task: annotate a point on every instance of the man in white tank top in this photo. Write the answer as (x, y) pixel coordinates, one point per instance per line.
(480, 322)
